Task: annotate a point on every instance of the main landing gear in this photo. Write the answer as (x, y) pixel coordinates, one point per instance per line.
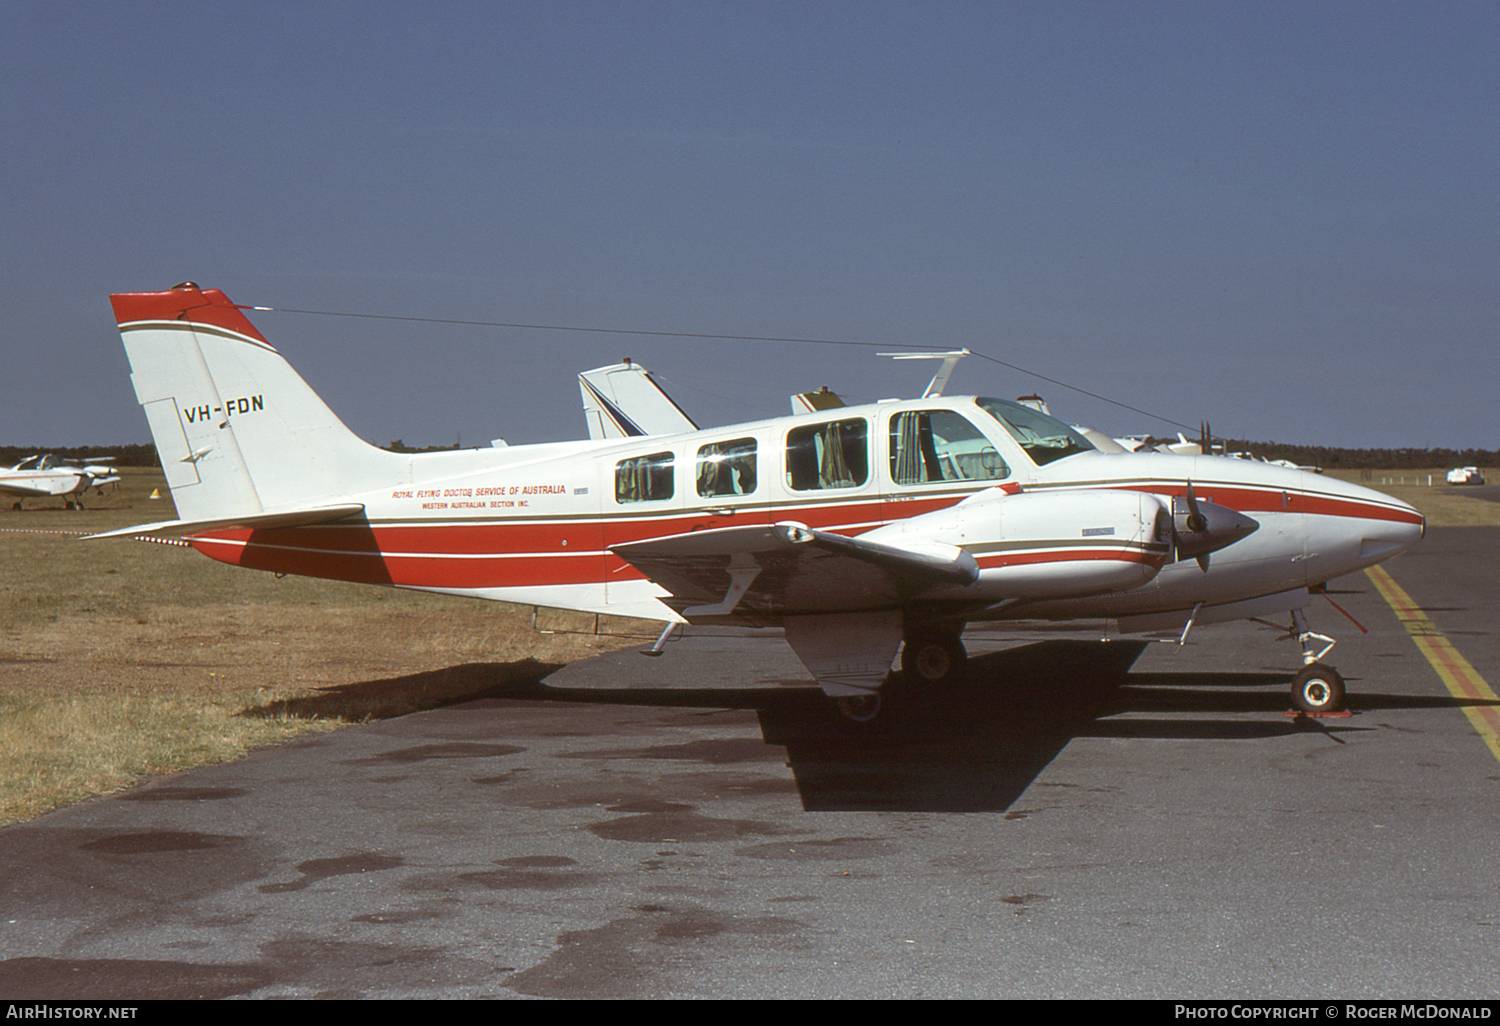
(1317, 689)
(932, 659)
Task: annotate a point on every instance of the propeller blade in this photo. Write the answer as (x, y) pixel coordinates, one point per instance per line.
(1196, 521)
(1201, 527)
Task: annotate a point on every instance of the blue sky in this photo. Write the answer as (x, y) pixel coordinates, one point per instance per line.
(1277, 217)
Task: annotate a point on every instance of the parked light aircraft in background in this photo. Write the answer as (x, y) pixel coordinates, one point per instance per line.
(38, 477)
(859, 530)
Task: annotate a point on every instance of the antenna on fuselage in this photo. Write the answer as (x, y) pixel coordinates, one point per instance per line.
(940, 379)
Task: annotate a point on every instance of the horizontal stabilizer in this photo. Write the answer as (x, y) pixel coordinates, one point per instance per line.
(287, 518)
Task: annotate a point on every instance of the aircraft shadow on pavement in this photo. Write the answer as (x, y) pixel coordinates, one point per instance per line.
(974, 748)
(978, 748)
(414, 692)
(981, 748)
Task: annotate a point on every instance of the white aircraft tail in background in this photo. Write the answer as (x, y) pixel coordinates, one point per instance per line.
(623, 400)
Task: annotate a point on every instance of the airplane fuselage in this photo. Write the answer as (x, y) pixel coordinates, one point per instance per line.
(536, 524)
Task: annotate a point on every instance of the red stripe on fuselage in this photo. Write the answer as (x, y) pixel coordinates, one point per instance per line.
(499, 554)
(1046, 555)
(372, 566)
(1260, 499)
(539, 553)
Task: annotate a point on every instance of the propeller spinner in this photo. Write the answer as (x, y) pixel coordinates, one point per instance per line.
(1200, 527)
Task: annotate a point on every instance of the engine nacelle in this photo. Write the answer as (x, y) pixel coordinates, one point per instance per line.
(1048, 544)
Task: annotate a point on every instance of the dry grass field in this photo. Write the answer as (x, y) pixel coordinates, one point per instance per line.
(1442, 504)
(123, 659)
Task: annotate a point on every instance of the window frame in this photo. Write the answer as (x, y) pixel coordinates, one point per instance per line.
(732, 455)
(795, 453)
(893, 451)
(664, 468)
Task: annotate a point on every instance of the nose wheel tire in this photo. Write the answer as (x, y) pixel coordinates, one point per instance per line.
(934, 658)
(1318, 689)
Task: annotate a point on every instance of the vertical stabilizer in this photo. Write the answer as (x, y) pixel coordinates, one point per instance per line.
(238, 430)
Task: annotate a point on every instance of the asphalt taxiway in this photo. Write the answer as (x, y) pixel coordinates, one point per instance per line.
(700, 826)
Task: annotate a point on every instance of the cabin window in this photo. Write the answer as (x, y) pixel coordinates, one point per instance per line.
(644, 478)
(727, 468)
(940, 445)
(832, 455)
(1044, 438)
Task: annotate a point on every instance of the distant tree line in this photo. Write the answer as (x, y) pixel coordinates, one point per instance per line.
(117, 455)
(399, 446)
(1330, 458)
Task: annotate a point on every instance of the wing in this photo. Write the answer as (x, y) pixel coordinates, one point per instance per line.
(758, 575)
(17, 487)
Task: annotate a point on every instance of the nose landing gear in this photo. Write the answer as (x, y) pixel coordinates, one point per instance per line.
(1317, 689)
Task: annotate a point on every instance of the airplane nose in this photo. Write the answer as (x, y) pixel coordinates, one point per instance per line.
(1397, 527)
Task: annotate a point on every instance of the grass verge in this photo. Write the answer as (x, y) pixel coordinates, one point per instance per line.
(59, 749)
(121, 659)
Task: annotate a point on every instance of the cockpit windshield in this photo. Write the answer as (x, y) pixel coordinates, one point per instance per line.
(1043, 437)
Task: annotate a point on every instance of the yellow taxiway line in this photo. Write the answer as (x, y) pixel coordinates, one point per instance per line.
(1462, 679)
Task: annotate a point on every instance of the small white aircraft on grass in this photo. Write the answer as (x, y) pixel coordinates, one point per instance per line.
(38, 477)
(855, 529)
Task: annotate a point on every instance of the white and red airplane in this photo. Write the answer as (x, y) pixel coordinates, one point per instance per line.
(43, 476)
(858, 530)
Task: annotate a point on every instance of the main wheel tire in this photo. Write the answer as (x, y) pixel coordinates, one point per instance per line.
(934, 659)
(861, 710)
(1318, 689)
